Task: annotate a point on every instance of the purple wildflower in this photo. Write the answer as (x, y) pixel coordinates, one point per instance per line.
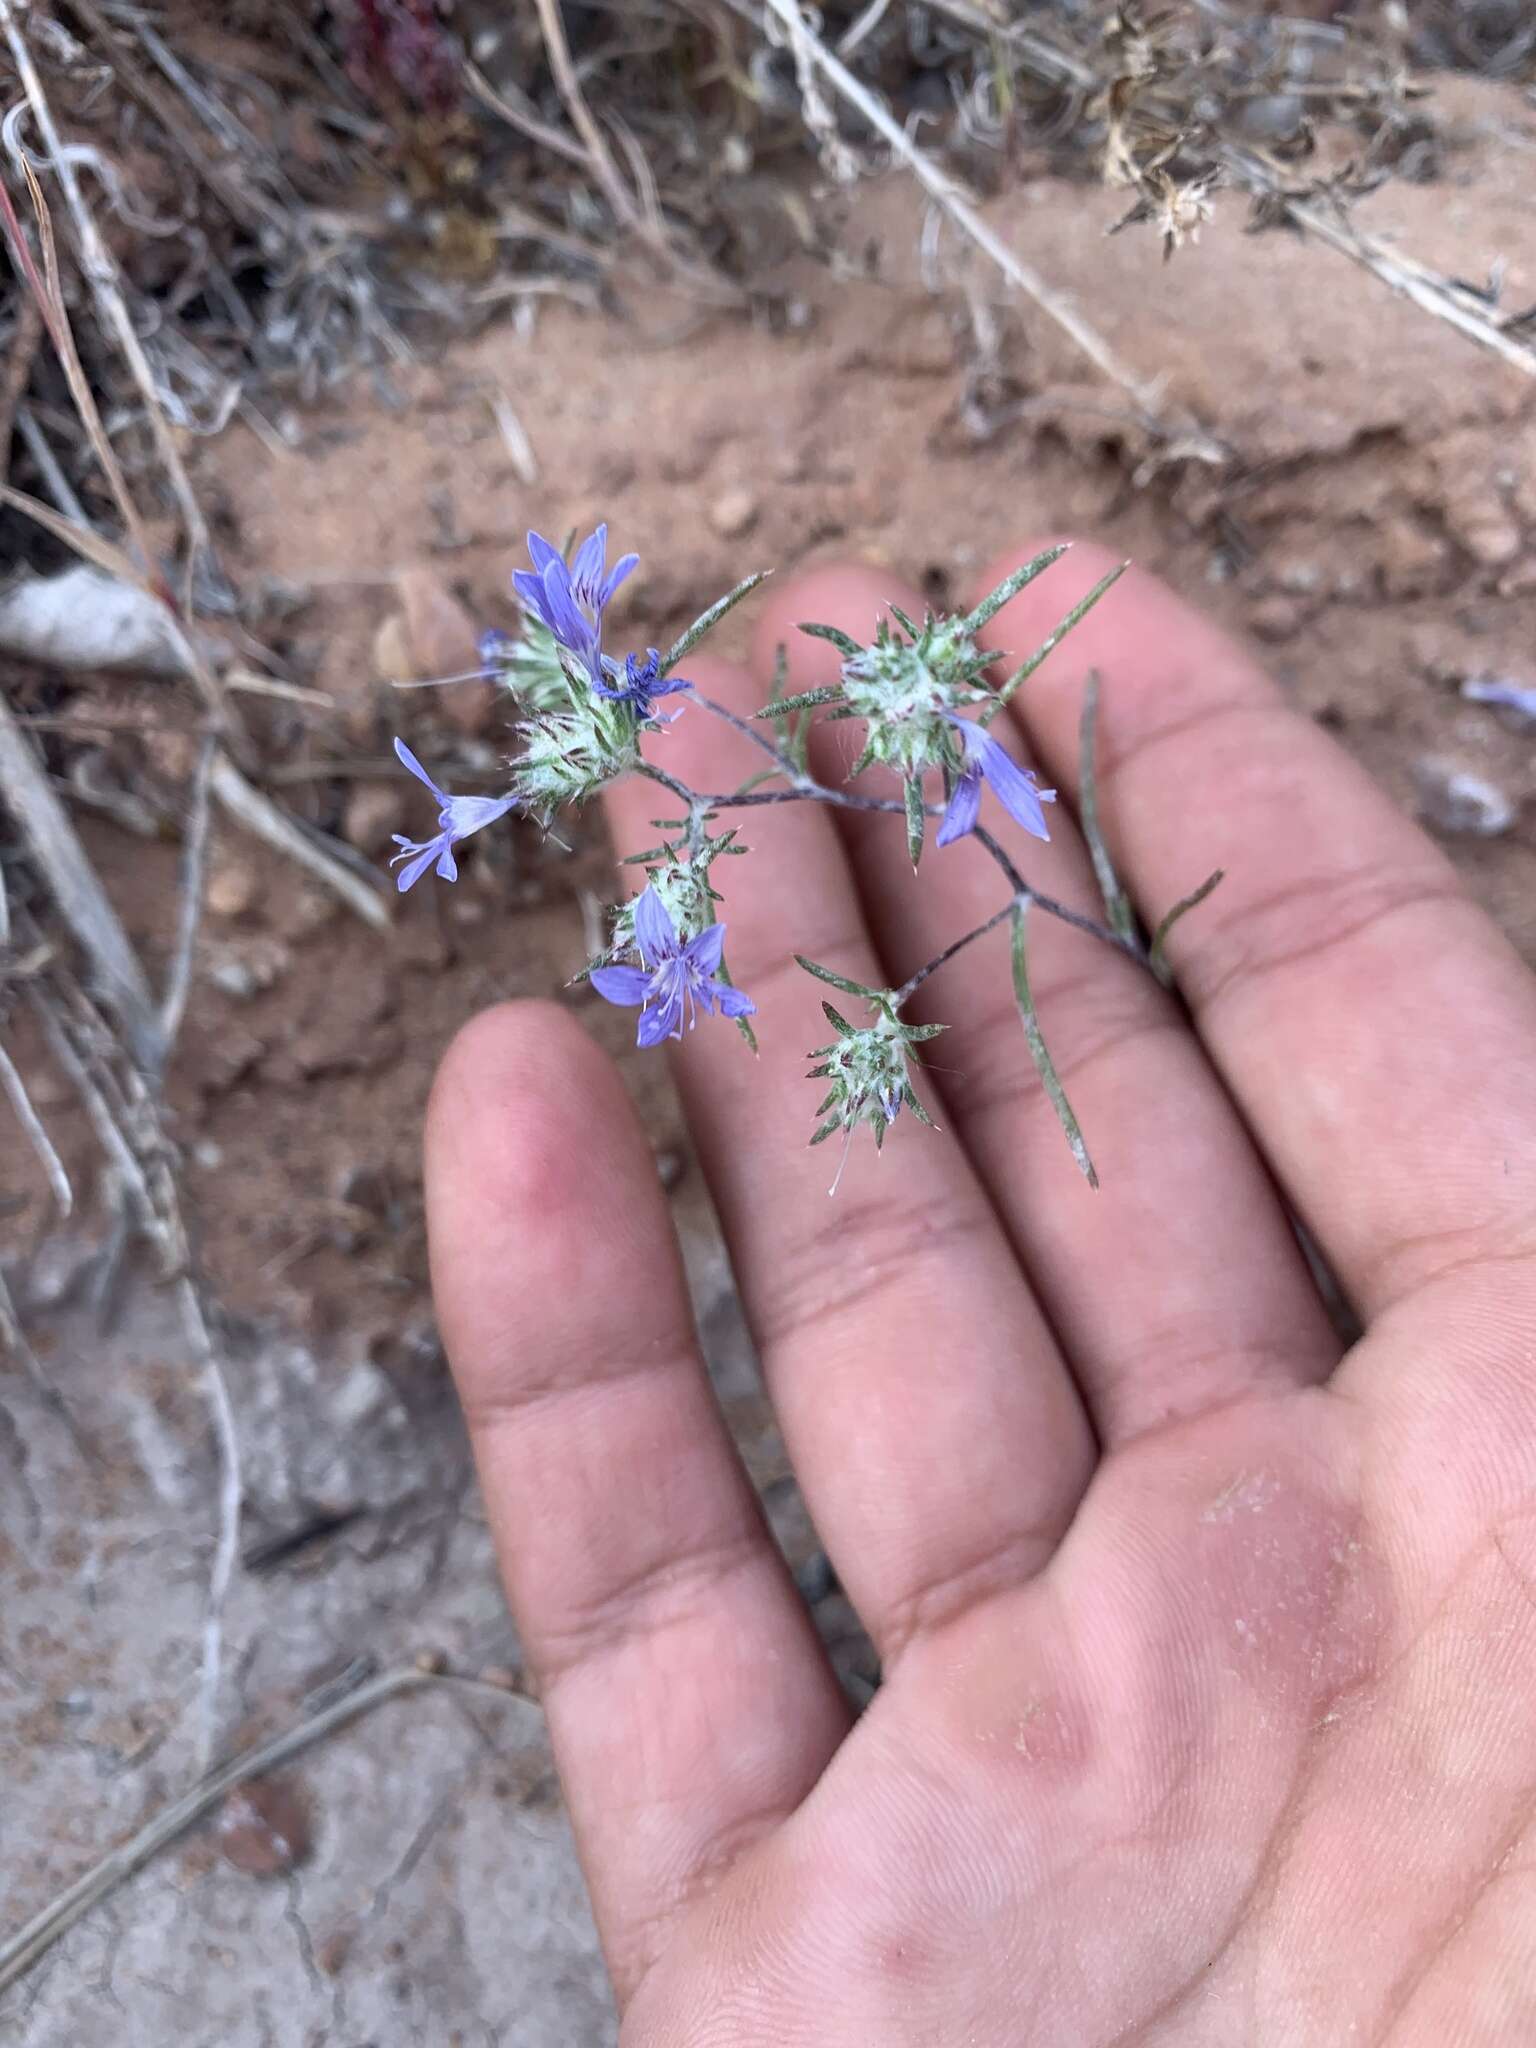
(570, 597)
(674, 977)
(640, 685)
(1014, 787)
(457, 818)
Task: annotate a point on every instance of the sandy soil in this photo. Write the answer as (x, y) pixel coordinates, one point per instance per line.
(1378, 535)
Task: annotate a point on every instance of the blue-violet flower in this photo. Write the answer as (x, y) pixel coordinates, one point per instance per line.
(1014, 787)
(457, 818)
(570, 597)
(640, 685)
(674, 978)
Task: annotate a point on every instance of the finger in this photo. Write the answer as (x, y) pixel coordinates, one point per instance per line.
(935, 1432)
(1377, 1031)
(1125, 1272)
(689, 1703)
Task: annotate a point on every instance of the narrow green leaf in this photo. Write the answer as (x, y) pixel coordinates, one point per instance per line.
(849, 988)
(743, 1024)
(804, 700)
(707, 621)
(846, 648)
(836, 1019)
(1157, 959)
(911, 630)
(1044, 1066)
(916, 819)
(832, 1123)
(1074, 617)
(1117, 904)
(1010, 587)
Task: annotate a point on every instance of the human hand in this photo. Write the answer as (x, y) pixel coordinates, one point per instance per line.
(1209, 1701)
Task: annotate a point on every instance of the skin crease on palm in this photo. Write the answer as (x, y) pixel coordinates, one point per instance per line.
(1209, 1713)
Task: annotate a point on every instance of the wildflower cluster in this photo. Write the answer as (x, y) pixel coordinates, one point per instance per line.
(924, 697)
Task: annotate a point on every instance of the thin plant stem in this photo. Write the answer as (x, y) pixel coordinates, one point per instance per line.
(806, 789)
(914, 982)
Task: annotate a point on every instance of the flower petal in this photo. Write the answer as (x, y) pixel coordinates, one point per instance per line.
(528, 588)
(626, 985)
(734, 1002)
(414, 869)
(964, 808)
(447, 866)
(655, 933)
(465, 814)
(624, 567)
(703, 953)
(408, 760)
(587, 567)
(541, 554)
(1015, 789)
(560, 611)
(662, 1020)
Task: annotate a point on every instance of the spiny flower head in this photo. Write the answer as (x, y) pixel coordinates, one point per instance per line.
(867, 1066)
(906, 685)
(568, 756)
(680, 877)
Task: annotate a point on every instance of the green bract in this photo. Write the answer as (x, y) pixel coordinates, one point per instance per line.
(532, 668)
(568, 756)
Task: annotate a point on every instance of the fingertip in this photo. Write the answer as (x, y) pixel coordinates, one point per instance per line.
(512, 1064)
(530, 1137)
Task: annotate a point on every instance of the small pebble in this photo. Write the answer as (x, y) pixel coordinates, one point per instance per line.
(433, 1662)
(232, 888)
(263, 1828)
(734, 513)
(1274, 618)
(671, 1165)
(1455, 800)
(244, 971)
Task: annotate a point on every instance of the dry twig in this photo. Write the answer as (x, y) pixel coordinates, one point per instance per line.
(101, 272)
(71, 881)
(1183, 438)
(31, 1942)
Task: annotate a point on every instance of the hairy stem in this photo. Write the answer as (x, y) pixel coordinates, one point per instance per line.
(915, 981)
(805, 788)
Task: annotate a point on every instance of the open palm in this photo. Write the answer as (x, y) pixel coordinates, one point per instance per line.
(1209, 1711)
